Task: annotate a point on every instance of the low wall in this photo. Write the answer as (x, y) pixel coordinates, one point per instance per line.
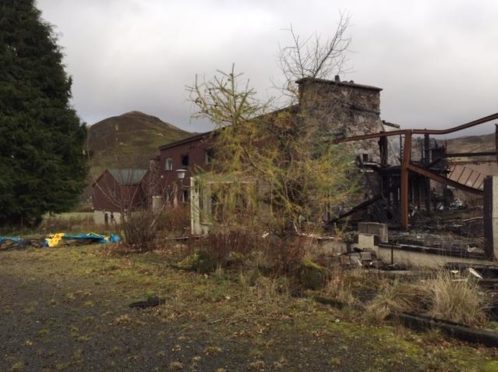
(99, 217)
(422, 259)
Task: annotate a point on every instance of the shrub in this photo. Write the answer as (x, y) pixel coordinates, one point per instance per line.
(285, 256)
(174, 219)
(229, 247)
(140, 230)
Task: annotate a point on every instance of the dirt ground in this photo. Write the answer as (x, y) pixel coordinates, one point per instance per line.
(68, 309)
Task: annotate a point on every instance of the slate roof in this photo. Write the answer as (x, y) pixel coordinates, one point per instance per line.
(128, 176)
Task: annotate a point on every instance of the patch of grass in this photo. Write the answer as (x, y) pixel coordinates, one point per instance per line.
(248, 316)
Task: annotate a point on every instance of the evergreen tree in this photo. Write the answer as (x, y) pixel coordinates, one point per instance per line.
(42, 165)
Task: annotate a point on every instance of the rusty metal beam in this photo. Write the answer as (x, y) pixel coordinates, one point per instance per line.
(404, 201)
(438, 178)
(471, 124)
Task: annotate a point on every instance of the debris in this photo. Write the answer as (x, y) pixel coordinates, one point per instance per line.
(7, 242)
(355, 259)
(150, 302)
(475, 273)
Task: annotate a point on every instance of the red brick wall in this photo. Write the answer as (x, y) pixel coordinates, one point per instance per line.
(195, 149)
(109, 195)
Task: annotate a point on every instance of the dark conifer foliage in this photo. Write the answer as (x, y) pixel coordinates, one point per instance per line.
(42, 165)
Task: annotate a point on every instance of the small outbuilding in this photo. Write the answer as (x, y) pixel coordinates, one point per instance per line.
(117, 191)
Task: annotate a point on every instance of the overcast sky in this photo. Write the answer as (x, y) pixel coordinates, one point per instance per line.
(437, 61)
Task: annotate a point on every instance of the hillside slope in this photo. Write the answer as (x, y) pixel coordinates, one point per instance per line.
(472, 143)
(128, 141)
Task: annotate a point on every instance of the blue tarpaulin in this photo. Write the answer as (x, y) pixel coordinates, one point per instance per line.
(53, 240)
(15, 239)
(97, 238)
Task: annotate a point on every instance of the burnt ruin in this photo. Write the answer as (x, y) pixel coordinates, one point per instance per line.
(418, 195)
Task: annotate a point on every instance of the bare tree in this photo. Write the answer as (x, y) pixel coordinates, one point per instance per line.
(313, 56)
(268, 158)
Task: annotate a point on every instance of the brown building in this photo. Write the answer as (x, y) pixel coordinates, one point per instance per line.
(191, 154)
(116, 191)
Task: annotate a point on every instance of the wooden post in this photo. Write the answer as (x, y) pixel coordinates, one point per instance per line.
(404, 200)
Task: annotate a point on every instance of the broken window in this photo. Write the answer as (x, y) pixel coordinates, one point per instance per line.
(185, 196)
(209, 156)
(185, 160)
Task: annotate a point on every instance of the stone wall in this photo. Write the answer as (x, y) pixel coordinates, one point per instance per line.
(343, 109)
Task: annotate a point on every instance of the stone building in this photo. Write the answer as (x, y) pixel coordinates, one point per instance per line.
(337, 109)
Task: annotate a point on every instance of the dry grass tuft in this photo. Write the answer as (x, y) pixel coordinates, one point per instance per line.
(460, 301)
(340, 288)
(399, 298)
(442, 297)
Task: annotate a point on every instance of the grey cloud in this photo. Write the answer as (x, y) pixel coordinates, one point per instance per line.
(435, 60)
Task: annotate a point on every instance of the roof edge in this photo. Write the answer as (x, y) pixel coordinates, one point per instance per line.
(349, 84)
(185, 140)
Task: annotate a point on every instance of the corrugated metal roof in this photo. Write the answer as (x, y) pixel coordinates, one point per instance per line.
(128, 176)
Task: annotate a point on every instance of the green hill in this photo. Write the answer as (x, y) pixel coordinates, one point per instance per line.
(480, 143)
(128, 141)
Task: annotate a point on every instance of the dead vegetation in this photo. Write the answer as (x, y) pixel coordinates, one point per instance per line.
(140, 229)
(444, 297)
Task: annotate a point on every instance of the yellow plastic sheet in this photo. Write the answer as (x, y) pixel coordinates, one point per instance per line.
(54, 239)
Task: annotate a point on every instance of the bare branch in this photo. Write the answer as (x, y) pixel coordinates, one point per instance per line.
(313, 57)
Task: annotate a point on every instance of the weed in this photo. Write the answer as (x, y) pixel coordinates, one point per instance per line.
(458, 300)
(340, 288)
